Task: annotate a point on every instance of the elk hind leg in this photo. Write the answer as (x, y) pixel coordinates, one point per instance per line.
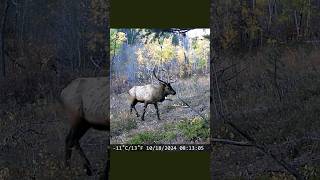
(72, 140)
(84, 126)
(86, 163)
(106, 170)
(144, 111)
(133, 106)
(68, 147)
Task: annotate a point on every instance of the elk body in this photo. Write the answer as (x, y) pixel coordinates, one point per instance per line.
(149, 94)
(86, 101)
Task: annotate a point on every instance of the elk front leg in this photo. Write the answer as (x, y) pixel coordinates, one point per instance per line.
(156, 106)
(72, 140)
(136, 111)
(144, 111)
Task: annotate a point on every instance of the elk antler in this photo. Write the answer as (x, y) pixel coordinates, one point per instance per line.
(170, 78)
(154, 74)
(175, 80)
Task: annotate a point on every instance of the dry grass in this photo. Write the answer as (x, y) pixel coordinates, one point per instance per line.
(32, 144)
(284, 125)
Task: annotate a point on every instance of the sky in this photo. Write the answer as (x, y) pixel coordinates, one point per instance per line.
(198, 32)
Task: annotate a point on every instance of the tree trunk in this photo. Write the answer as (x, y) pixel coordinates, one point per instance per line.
(3, 27)
(297, 24)
(240, 23)
(22, 15)
(270, 15)
(307, 32)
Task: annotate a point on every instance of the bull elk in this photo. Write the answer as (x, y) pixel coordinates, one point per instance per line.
(86, 101)
(150, 94)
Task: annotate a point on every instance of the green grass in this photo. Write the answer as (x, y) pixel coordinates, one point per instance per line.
(149, 137)
(188, 129)
(311, 172)
(169, 136)
(194, 129)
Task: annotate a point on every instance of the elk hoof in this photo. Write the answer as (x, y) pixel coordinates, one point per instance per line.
(138, 115)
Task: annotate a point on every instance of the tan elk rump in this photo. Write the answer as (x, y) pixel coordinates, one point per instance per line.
(86, 101)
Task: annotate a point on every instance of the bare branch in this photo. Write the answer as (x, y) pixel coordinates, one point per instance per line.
(251, 140)
(235, 75)
(95, 64)
(230, 142)
(266, 151)
(204, 118)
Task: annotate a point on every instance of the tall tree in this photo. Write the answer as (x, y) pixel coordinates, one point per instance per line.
(2, 41)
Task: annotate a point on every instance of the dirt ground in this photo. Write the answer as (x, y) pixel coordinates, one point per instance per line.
(32, 144)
